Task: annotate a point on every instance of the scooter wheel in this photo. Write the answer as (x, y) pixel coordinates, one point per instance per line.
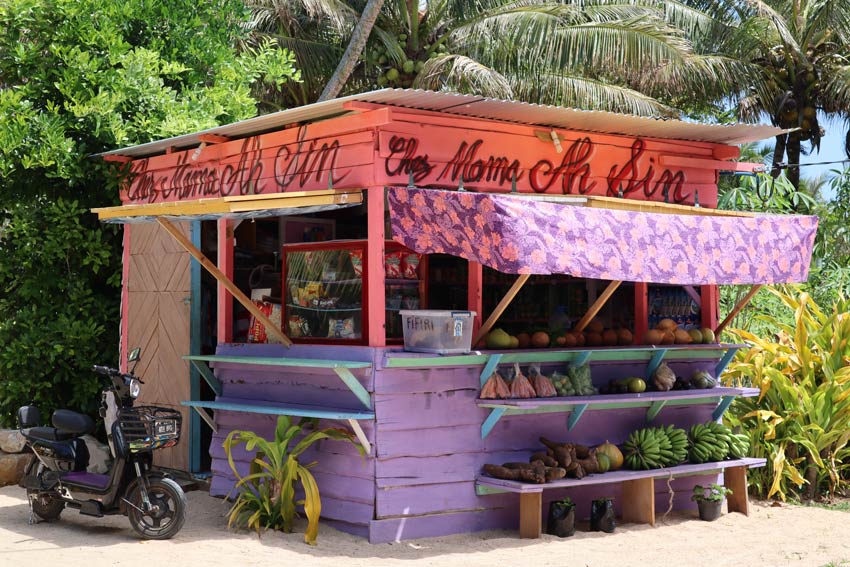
(46, 506)
(167, 512)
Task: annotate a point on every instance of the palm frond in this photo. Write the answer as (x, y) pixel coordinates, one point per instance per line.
(462, 74)
(581, 92)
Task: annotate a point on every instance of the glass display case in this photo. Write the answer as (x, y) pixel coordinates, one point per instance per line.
(325, 290)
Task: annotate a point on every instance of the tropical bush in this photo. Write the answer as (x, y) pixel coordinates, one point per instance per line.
(266, 495)
(800, 422)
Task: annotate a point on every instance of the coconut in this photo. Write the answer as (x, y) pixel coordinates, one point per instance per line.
(609, 337)
(666, 325)
(593, 339)
(570, 339)
(653, 337)
(696, 335)
(668, 338)
(540, 339)
(524, 340)
(682, 337)
(613, 453)
(595, 326)
(708, 336)
(624, 337)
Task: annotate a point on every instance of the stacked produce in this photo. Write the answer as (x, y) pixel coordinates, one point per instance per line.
(576, 382)
(667, 332)
(712, 441)
(655, 447)
(514, 385)
(560, 460)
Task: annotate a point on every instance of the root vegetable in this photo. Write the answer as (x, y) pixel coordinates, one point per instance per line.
(521, 387)
(495, 388)
(544, 458)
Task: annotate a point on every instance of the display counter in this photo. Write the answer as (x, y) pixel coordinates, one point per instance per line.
(428, 433)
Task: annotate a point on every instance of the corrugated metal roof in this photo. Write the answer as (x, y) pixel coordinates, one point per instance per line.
(477, 107)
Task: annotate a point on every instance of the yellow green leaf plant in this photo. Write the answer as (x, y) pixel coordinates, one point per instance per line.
(266, 496)
(800, 421)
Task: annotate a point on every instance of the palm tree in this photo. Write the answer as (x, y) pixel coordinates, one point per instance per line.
(798, 51)
(601, 54)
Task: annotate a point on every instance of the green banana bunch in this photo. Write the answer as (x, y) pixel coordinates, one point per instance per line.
(678, 445)
(740, 446)
(711, 441)
(643, 449)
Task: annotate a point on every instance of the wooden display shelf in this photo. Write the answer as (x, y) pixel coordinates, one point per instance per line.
(638, 494)
(401, 359)
(577, 405)
(297, 410)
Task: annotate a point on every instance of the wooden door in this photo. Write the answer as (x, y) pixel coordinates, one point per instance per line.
(158, 315)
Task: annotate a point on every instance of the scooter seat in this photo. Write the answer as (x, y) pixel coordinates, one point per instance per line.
(48, 434)
(72, 422)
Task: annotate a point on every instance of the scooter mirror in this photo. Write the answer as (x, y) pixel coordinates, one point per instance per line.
(135, 355)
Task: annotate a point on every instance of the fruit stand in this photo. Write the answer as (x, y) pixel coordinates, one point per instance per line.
(576, 253)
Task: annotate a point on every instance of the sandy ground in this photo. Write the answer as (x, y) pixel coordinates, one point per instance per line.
(770, 536)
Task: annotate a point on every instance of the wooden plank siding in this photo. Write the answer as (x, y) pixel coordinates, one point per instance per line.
(158, 292)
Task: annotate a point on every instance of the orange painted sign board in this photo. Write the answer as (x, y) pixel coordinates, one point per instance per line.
(363, 152)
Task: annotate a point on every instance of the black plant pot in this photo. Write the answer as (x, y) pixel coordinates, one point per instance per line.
(709, 510)
(602, 515)
(562, 519)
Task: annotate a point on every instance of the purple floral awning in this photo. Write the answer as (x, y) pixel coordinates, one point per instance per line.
(525, 236)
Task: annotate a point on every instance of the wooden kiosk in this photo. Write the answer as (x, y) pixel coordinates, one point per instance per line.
(529, 216)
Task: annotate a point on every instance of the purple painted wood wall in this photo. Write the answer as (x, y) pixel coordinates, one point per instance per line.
(427, 446)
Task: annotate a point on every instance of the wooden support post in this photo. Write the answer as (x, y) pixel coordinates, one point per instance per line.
(638, 500)
(530, 515)
(641, 312)
(218, 275)
(709, 305)
(224, 301)
(735, 478)
(500, 308)
(737, 309)
(475, 294)
(597, 305)
(376, 291)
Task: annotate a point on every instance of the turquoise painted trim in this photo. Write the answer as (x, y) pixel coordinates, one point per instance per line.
(481, 490)
(724, 362)
(491, 421)
(581, 358)
(355, 386)
(575, 415)
(655, 362)
(654, 408)
(491, 365)
(721, 408)
(302, 362)
(281, 410)
(207, 375)
(195, 449)
(674, 352)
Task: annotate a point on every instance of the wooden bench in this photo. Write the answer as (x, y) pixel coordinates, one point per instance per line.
(638, 494)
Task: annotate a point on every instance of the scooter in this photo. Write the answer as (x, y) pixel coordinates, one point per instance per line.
(57, 478)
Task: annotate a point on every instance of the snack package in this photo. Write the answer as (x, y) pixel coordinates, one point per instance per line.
(341, 329)
(256, 330)
(312, 291)
(356, 257)
(298, 326)
(392, 265)
(410, 265)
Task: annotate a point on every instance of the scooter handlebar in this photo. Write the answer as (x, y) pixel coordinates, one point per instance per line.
(105, 370)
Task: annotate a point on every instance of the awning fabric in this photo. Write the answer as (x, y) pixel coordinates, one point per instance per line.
(523, 236)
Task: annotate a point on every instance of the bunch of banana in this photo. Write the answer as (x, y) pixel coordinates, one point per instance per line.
(678, 445)
(709, 442)
(642, 450)
(739, 447)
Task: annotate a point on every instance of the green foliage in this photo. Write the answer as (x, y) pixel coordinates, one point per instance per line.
(711, 493)
(55, 270)
(78, 77)
(800, 422)
(266, 495)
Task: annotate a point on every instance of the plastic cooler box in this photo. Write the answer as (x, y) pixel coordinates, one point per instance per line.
(442, 332)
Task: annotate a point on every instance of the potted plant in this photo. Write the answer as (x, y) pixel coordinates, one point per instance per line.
(709, 500)
(562, 518)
